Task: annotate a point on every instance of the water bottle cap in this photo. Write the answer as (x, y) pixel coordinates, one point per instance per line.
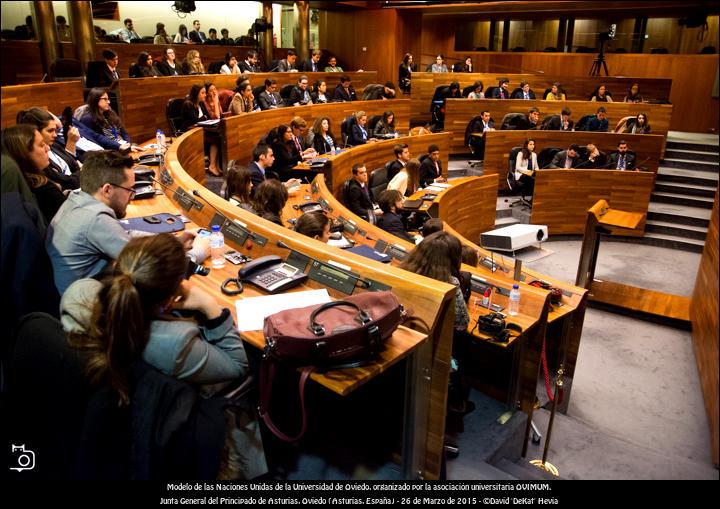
(216, 228)
(516, 287)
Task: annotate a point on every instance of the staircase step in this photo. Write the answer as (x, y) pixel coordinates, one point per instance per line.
(669, 228)
(674, 242)
(686, 189)
(693, 155)
(697, 201)
(685, 145)
(525, 471)
(689, 164)
(678, 218)
(703, 178)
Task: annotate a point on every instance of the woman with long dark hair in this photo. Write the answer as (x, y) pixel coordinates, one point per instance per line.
(243, 101)
(405, 70)
(633, 95)
(526, 164)
(231, 65)
(25, 145)
(182, 36)
(193, 111)
(212, 101)
(168, 66)
(270, 199)
(406, 180)
(319, 92)
(314, 224)
(239, 186)
(641, 125)
(386, 125)
(279, 140)
(601, 94)
(143, 68)
(63, 167)
(322, 138)
(100, 118)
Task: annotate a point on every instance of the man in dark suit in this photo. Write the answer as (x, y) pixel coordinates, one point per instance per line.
(357, 195)
(622, 159)
(263, 158)
(312, 65)
(431, 167)
(250, 63)
(560, 122)
(567, 158)
(104, 75)
(196, 35)
(524, 92)
(212, 38)
(269, 99)
(599, 121)
(300, 95)
(287, 64)
(402, 156)
(345, 91)
(477, 143)
(502, 92)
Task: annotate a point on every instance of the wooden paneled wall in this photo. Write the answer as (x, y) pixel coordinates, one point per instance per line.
(704, 317)
(242, 132)
(647, 147)
(459, 112)
(469, 206)
(52, 96)
(576, 88)
(562, 197)
(143, 100)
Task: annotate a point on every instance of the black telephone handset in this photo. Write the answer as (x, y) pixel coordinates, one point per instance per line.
(271, 274)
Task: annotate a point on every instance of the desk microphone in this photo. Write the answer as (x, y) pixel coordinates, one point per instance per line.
(365, 282)
(195, 192)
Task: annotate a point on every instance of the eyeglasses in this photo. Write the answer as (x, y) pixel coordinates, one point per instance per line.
(131, 191)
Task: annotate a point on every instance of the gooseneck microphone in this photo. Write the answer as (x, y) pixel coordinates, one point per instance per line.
(365, 282)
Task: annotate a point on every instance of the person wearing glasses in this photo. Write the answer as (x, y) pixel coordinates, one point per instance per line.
(104, 124)
(85, 235)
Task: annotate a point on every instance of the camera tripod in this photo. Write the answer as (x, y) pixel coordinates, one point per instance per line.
(595, 69)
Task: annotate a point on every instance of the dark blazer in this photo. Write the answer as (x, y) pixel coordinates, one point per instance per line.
(345, 95)
(356, 200)
(101, 76)
(321, 145)
(559, 160)
(553, 123)
(300, 96)
(246, 67)
(392, 223)
(307, 66)
(518, 94)
(595, 124)
(404, 75)
(257, 176)
(374, 91)
(615, 156)
(164, 68)
(286, 156)
(265, 101)
(190, 117)
(393, 169)
(500, 93)
(197, 37)
(356, 135)
(428, 173)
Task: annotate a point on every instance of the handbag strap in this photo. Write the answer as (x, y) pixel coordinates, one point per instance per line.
(319, 330)
(267, 374)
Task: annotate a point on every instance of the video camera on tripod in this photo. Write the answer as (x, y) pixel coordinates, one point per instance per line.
(600, 59)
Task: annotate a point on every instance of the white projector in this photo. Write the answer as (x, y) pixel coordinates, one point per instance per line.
(514, 237)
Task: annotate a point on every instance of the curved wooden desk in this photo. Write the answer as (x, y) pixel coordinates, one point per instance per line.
(647, 147)
(577, 88)
(565, 321)
(142, 101)
(430, 300)
(459, 112)
(241, 133)
(469, 204)
(562, 197)
(52, 96)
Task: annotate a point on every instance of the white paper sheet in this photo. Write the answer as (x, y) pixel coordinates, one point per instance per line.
(251, 312)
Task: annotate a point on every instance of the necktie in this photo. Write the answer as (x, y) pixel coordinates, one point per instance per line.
(115, 75)
(437, 169)
(568, 163)
(297, 144)
(314, 67)
(527, 97)
(272, 97)
(621, 162)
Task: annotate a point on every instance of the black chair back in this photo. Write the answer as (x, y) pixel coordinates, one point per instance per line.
(582, 124)
(489, 92)
(378, 181)
(173, 113)
(546, 156)
(66, 69)
(514, 122)
(373, 122)
(214, 67)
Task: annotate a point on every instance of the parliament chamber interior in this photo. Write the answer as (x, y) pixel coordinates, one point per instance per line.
(360, 240)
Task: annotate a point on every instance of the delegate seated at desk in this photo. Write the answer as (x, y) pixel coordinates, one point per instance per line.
(566, 159)
(357, 195)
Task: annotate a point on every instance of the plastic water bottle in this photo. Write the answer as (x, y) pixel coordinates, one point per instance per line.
(217, 247)
(159, 141)
(514, 307)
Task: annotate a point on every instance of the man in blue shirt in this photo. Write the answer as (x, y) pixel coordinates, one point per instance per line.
(599, 121)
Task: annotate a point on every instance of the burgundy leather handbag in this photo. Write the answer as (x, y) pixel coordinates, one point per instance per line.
(339, 334)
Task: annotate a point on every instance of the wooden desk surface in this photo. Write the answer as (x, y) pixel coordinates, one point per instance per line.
(459, 112)
(563, 197)
(647, 147)
(142, 101)
(577, 88)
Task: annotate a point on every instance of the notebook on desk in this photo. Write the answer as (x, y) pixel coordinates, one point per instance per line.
(369, 252)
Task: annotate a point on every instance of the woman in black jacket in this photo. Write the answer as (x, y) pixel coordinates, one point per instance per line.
(279, 140)
(194, 111)
(323, 139)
